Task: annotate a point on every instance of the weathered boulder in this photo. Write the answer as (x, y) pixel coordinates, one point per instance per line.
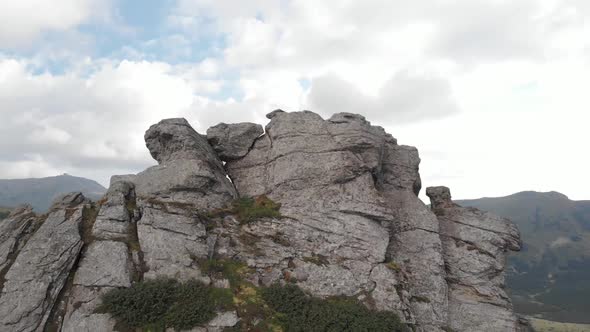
(189, 170)
(474, 246)
(39, 272)
(233, 141)
(175, 139)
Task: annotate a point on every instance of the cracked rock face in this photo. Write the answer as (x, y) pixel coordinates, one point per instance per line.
(474, 246)
(39, 272)
(341, 182)
(189, 170)
(351, 225)
(233, 141)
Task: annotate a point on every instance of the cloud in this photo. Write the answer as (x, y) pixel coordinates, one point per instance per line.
(404, 98)
(463, 80)
(23, 21)
(84, 121)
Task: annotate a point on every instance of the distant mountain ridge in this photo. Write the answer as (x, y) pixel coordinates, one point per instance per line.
(549, 277)
(40, 192)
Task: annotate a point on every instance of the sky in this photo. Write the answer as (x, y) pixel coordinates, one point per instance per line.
(495, 94)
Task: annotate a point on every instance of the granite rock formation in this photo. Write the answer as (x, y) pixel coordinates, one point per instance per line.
(351, 224)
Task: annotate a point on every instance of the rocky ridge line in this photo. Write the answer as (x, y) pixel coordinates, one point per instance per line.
(351, 225)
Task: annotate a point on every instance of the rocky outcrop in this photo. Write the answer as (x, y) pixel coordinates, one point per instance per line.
(105, 265)
(39, 272)
(351, 224)
(189, 171)
(233, 141)
(340, 182)
(14, 232)
(474, 246)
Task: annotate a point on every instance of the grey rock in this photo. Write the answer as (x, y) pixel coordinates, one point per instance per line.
(80, 315)
(416, 247)
(390, 292)
(171, 243)
(105, 265)
(233, 141)
(474, 250)
(351, 224)
(69, 200)
(175, 139)
(348, 194)
(186, 181)
(113, 220)
(122, 177)
(41, 268)
(224, 319)
(14, 233)
(189, 170)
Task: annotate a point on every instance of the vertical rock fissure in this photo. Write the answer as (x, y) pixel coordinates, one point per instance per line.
(20, 241)
(58, 311)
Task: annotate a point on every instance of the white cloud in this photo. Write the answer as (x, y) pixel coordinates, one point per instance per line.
(492, 92)
(405, 97)
(78, 123)
(22, 21)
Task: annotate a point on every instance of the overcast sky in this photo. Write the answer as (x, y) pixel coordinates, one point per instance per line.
(495, 94)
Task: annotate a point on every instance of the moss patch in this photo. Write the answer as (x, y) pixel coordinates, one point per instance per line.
(232, 270)
(393, 266)
(248, 209)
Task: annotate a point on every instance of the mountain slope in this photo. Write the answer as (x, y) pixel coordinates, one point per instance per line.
(550, 276)
(42, 191)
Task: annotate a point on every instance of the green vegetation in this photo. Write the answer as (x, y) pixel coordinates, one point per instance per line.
(394, 266)
(248, 209)
(157, 304)
(231, 270)
(300, 312)
(541, 325)
(165, 303)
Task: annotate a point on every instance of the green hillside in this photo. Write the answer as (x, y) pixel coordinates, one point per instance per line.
(550, 277)
(541, 325)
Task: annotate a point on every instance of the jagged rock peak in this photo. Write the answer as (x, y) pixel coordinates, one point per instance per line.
(233, 141)
(175, 139)
(189, 170)
(440, 197)
(474, 245)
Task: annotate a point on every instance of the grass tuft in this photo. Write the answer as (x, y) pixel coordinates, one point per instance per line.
(248, 209)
